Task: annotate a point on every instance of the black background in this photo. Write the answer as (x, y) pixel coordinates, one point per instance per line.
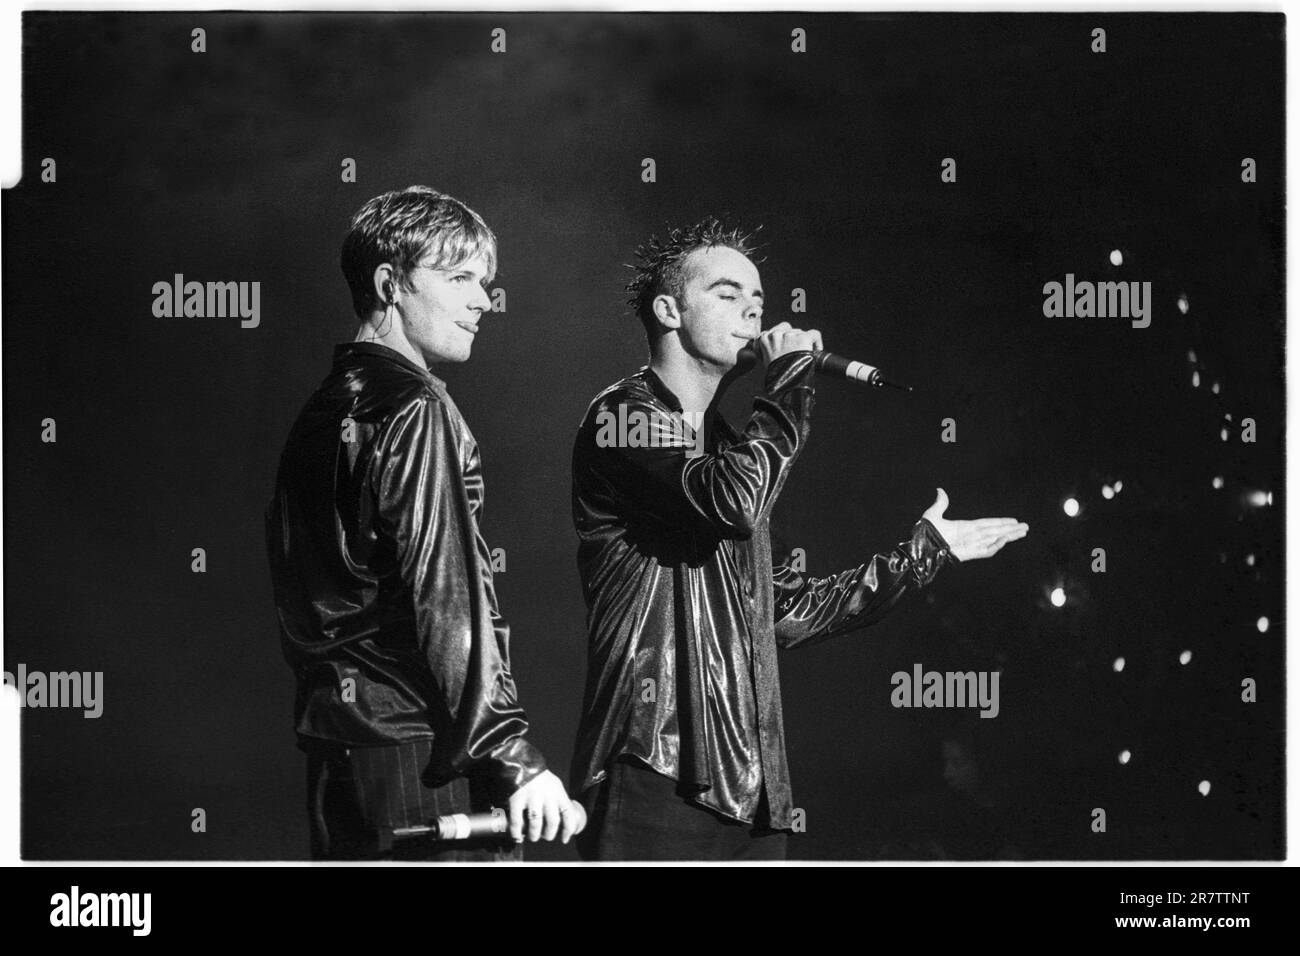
(226, 166)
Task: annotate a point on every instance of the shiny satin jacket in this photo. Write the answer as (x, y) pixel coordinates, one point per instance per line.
(685, 611)
(382, 578)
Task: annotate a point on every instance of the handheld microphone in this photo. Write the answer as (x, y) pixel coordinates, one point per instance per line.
(459, 826)
(466, 826)
(832, 364)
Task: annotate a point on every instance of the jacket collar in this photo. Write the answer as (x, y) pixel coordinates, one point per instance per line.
(660, 390)
(713, 417)
(350, 352)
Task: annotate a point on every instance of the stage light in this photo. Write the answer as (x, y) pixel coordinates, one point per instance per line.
(1116, 257)
(1183, 304)
(1124, 756)
(1058, 597)
(1119, 664)
(1218, 482)
(1071, 507)
(1185, 657)
(1262, 624)
(1107, 492)
(1204, 788)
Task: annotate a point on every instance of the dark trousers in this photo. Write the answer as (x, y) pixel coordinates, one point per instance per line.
(356, 794)
(637, 814)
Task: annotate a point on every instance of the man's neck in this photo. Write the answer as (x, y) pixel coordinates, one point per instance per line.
(695, 383)
(393, 337)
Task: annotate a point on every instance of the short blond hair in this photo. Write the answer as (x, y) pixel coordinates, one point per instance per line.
(401, 228)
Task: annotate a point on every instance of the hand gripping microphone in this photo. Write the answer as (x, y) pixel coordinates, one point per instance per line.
(831, 364)
(466, 826)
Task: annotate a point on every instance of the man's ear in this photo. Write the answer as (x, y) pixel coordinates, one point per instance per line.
(666, 312)
(385, 283)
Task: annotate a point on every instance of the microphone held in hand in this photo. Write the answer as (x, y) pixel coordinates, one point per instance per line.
(831, 364)
(468, 826)
(828, 363)
(460, 826)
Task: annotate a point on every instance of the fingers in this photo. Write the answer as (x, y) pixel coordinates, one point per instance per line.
(996, 527)
(1015, 533)
(525, 809)
(801, 340)
(1012, 533)
(782, 338)
(568, 820)
(997, 522)
(551, 825)
(992, 544)
(768, 343)
(541, 810)
(535, 815)
(986, 537)
(517, 808)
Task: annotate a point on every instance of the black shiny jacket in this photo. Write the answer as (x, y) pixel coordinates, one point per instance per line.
(685, 611)
(383, 583)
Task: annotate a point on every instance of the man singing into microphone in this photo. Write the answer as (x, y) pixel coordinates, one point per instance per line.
(681, 750)
(406, 706)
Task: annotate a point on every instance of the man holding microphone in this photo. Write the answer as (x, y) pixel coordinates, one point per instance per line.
(681, 749)
(406, 706)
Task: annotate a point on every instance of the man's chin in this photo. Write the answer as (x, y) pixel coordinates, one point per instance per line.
(440, 358)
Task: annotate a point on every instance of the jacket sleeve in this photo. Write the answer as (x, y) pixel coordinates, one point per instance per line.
(808, 610)
(734, 489)
(425, 508)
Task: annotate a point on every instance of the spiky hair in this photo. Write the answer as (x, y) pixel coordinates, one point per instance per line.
(660, 265)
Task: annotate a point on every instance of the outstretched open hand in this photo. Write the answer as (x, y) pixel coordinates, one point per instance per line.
(979, 538)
